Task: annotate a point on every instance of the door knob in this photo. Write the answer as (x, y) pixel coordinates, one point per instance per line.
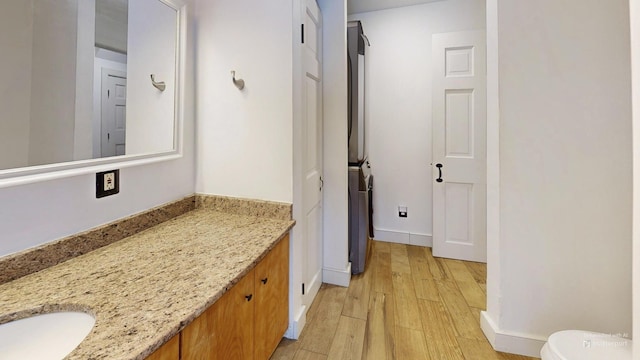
(439, 179)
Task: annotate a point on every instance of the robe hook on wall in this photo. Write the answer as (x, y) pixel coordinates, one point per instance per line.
(160, 85)
(239, 83)
(366, 39)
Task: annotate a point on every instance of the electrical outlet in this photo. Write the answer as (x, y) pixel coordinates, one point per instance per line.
(402, 211)
(107, 183)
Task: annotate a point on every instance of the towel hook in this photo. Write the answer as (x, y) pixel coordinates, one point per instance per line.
(239, 83)
(160, 85)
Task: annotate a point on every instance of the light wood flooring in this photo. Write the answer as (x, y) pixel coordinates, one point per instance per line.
(406, 305)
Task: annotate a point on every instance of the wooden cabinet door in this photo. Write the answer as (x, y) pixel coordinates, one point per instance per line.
(225, 330)
(272, 300)
(169, 351)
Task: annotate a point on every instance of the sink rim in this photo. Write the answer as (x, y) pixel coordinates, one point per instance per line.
(44, 309)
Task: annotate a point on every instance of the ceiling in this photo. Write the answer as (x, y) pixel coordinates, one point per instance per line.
(358, 6)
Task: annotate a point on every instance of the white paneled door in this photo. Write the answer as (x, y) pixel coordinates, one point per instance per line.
(459, 146)
(113, 113)
(312, 147)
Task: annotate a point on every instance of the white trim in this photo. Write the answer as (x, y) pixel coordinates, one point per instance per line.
(311, 289)
(396, 237)
(421, 240)
(399, 237)
(510, 342)
(634, 9)
(110, 55)
(494, 290)
(298, 323)
(337, 276)
(86, 167)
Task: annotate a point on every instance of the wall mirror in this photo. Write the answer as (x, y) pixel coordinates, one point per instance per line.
(76, 86)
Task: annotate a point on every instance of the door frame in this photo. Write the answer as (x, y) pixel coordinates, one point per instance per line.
(311, 288)
(297, 307)
(634, 12)
(493, 173)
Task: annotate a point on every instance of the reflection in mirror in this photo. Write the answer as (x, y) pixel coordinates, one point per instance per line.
(76, 80)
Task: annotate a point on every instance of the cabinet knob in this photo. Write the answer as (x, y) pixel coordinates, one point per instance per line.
(264, 281)
(249, 297)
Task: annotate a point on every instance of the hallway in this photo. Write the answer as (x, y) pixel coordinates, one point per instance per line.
(406, 305)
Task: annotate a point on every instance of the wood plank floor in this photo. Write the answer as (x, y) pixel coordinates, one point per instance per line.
(406, 305)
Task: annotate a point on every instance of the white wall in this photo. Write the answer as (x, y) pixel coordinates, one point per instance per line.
(83, 131)
(53, 82)
(16, 21)
(564, 246)
(398, 108)
(41, 212)
(245, 137)
(248, 142)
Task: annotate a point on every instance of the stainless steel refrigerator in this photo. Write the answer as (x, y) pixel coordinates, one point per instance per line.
(360, 178)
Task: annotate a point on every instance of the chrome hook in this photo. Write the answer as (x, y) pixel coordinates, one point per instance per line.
(160, 85)
(239, 83)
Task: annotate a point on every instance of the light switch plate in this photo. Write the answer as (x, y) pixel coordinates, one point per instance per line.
(107, 183)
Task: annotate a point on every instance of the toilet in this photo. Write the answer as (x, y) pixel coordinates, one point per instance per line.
(585, 345)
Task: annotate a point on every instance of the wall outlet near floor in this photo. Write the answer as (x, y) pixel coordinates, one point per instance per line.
(107, 183)
(402, 211)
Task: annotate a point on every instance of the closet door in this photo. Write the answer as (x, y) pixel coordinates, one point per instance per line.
(459, 146)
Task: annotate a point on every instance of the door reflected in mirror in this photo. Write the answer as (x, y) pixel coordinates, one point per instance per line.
(76, 80)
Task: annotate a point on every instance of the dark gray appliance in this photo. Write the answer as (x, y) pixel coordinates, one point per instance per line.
(360, 191)
(355, 63)
(360, 179)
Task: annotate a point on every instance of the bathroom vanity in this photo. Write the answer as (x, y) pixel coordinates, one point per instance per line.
(247, 322)
(205, 284)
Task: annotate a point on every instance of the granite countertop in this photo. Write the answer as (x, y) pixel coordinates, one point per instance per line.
(144, 289)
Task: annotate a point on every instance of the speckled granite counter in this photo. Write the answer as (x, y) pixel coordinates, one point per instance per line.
(144, 289)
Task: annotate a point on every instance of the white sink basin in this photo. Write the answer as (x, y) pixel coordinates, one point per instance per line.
(44, 337)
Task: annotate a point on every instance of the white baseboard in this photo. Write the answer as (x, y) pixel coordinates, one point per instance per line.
(421, 240)
(330, 276)
(510, 342)
(403, 238)
(337, 276)
(298, 323)
(300, 319)
(391, 236)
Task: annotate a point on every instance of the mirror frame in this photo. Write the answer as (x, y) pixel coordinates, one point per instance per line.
(31, 174)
